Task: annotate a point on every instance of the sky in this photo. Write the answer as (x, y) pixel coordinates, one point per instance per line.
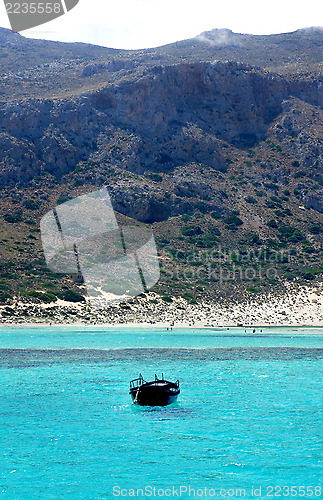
(136, 24)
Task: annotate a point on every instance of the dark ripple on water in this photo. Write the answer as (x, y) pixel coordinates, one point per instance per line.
(37, 357)
(164, 413)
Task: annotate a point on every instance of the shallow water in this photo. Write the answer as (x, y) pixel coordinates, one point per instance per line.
(248, 415)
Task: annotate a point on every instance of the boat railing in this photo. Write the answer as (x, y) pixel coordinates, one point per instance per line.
(137, 382)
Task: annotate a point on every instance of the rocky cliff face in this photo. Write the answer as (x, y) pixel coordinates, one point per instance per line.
(203, 112)
(199, 112)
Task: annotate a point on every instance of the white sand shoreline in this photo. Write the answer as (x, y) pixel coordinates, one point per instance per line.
(166, 327)
(295, 308)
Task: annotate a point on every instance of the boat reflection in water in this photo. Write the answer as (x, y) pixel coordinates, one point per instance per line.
(159, 392)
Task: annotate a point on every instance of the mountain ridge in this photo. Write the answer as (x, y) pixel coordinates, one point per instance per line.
(211, 153)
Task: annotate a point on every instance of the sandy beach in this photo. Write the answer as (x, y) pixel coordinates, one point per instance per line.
(296, 307)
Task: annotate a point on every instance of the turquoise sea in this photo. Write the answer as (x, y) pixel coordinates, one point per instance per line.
(247, 424)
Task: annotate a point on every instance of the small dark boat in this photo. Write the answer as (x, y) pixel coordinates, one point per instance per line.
(159, 392)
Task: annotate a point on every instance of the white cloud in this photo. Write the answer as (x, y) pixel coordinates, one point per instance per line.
(149, 23)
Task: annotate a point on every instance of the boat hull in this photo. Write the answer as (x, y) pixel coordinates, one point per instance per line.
(155, 394)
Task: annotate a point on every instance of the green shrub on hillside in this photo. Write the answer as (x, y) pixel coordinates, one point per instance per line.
(299, 174)
(154, 177)
(46, 297)
(32, 204)
(271, 185)
(4, 296)
(233, 221)
(290, 234)
(271, 204)
(206, 241)
(63, 198)
(250, 239)
(189, 297)
(71, 296)
(309, 249)
(315, 229)
(167, 298)
(308, 275)
(216, 215)
(192, 230)
(13, 217)
(279, 213)
(272, 223)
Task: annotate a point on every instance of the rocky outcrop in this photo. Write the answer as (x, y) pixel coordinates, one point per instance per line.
(19, 162)
(141, 203)
(111, 67)
(231, 101)
(300, 129)
(314, 200)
